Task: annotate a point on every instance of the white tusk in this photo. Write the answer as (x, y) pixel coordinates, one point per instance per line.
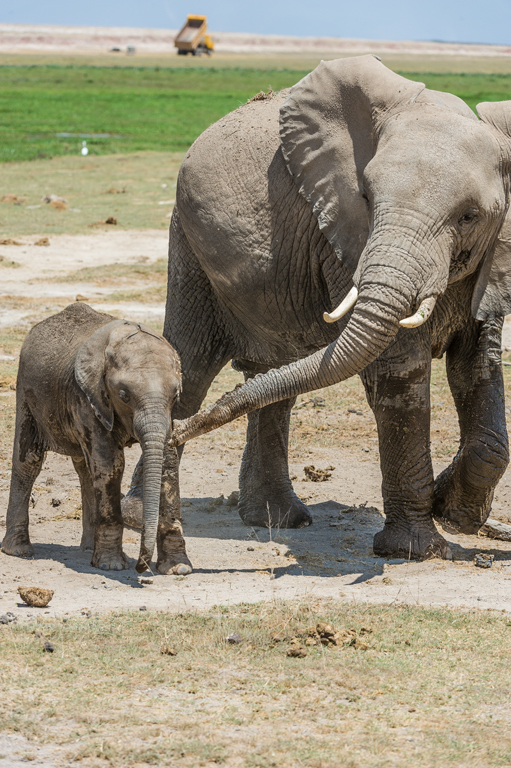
(423, 313)
(346, 304)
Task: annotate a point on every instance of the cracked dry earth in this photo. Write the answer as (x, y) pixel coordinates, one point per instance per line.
(232, 563)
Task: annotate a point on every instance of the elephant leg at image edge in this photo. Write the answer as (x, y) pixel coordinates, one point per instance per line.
(172, 557)
(464, 490)
(28, 458)
(267, 497)
(397, 388)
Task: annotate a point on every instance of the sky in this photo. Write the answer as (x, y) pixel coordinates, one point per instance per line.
(467, 21)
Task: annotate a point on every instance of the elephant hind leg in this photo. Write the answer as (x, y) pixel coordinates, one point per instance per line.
(194, 327)
(464, 491)
(27, 461)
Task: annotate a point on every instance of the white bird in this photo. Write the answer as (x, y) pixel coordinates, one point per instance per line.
(85, 150)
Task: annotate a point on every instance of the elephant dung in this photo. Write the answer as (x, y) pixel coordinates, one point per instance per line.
(317, 475)
(35, 597)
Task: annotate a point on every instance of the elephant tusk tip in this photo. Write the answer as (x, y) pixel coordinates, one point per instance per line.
(423, 313)
(344, 307)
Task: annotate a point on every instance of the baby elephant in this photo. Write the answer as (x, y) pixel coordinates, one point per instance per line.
(89, 385)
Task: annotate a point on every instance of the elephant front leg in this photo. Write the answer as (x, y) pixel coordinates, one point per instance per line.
(267, 497)
(397, 387)
(172, 557)
(464, 491)
(106, 465)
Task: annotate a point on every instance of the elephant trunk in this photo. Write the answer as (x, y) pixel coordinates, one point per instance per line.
(390, 287)
(151, 427)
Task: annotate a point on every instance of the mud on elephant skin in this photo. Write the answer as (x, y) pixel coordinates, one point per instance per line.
(364, 194)
(88, 386)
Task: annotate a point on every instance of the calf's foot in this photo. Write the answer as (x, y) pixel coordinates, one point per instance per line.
(414, 543)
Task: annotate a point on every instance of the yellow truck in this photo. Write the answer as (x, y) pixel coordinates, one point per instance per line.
(192, 38)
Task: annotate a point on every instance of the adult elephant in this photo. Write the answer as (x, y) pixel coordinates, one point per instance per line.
(362, 189)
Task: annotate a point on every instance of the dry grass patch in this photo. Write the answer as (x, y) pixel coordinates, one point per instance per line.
(147, 178)
(431, 689)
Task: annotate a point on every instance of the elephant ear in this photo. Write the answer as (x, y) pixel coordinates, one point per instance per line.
(90, 370)
(328, 135)
(492, 292)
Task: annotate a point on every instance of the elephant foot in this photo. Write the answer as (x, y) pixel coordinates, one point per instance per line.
(178, 565)
(172, 557)
(18, 547)
(132, 508)
(286, 512)
(417, 543)
(459, 509)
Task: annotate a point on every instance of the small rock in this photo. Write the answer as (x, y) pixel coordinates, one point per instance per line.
(250, 549)
(482, 560)
(35, 597)
(233, 638)
(166, 650)
(146, 578)
(55, 502)
(48, 647)
(4, 619)
(111, 220)
(143, 608)
(95, 586)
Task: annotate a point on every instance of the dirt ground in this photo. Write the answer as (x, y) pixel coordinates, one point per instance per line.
(232, 563)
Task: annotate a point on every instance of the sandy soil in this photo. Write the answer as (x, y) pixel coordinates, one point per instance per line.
(333, 558)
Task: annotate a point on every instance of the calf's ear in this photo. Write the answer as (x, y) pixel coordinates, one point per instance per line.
(90, 372)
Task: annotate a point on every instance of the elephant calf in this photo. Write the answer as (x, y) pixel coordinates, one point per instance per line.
(88, 386)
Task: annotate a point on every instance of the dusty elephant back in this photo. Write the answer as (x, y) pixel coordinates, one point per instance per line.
(48, 353)
(251, 231)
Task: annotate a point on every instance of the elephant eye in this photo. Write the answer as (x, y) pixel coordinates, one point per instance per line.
(467, 219)
(124, 396)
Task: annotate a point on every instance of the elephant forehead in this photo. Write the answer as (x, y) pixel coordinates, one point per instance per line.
(445, 157)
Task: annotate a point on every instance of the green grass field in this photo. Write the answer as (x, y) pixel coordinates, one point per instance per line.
(151, 108)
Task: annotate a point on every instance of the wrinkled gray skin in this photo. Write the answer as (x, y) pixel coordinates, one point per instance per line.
(88, 386)
(355, 176)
